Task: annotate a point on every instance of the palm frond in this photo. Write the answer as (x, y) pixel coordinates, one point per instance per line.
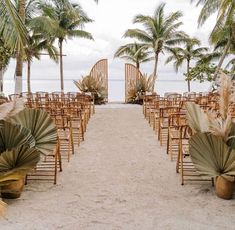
(41, 127)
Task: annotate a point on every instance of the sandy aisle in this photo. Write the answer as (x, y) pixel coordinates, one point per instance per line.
(119, 179)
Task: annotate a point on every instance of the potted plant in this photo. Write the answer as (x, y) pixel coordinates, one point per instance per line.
(212, 146)
(93, 85)
(24, 136)
(14, 164)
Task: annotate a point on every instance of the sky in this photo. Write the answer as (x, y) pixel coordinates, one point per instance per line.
(111, 19)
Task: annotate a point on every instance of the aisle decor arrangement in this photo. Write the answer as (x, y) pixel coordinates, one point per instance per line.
(139, 87)
(93, 85)
(25, 136)
(212, 146)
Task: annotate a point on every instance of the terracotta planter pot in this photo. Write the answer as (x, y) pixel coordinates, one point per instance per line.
(12, 190)
(224, 188)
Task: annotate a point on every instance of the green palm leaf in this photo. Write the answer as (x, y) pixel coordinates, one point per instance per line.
(211, 156)
(41, 126)
(15, 163)
(13, 135)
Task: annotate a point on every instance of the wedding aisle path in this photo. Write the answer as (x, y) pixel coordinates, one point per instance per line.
(120, 179)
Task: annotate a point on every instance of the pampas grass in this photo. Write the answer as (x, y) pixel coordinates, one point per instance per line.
(138, 87)
(226, 95)
(221, 126)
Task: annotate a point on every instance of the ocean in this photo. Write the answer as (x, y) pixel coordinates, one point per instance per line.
(116, 87)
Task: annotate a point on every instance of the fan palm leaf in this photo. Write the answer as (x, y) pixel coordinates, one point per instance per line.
(15, 163)
(13, 135)
(211, 156)
(41, 126)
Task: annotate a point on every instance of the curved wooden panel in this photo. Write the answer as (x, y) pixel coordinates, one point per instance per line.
(101, 69)
(132, 74)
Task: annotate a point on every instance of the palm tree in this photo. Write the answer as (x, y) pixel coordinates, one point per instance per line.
(223, 36)
(61, 19)
(12, 29)
(225, 18)
(224, 8)
(159, 32)
(5, 56)
(134, 52)
(19, 53)
(37, 44)
(190, 51)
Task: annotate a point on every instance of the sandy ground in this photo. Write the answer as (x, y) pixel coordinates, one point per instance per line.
(119, 179)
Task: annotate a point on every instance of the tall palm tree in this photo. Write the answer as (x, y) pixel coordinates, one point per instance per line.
(5, 56)
(159, 31)
(62, 19)
(191, 50)
(225, 18)
(224, 9)
(19, 53)
(37, 44)
(134, 53)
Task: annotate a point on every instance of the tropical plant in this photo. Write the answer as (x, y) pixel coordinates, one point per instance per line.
(212, 147)
(37, 41)
(134, 52)
(37, 44)
(223, 37)
(20, 52)
(5, 56)
(191, 50)
(12, 29)
(160, 31)
(225, 19)
(93, 85)
(202, 72)
(139, 87)
(61, 19)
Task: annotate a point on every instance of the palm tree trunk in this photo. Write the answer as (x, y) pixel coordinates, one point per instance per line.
(29, 76)
(1, 79)
(19, 58)
(222, 58)
(155, 70)
(188, 67)
(137, 65)
(155, 64)
(61, 65)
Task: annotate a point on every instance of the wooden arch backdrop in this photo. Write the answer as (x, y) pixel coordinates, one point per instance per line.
(101, 69)
(132, 74)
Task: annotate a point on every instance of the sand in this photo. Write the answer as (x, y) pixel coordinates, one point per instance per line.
(120, 178)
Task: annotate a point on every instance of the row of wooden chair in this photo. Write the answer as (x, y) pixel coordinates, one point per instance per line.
(71, 113)
(167, 116)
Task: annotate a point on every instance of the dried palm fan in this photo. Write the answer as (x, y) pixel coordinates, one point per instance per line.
(13, 135)
(211, 156)
(41, 127)
(15, 163)
(212, 147)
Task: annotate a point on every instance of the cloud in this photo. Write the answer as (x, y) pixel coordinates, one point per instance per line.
(111, 19)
